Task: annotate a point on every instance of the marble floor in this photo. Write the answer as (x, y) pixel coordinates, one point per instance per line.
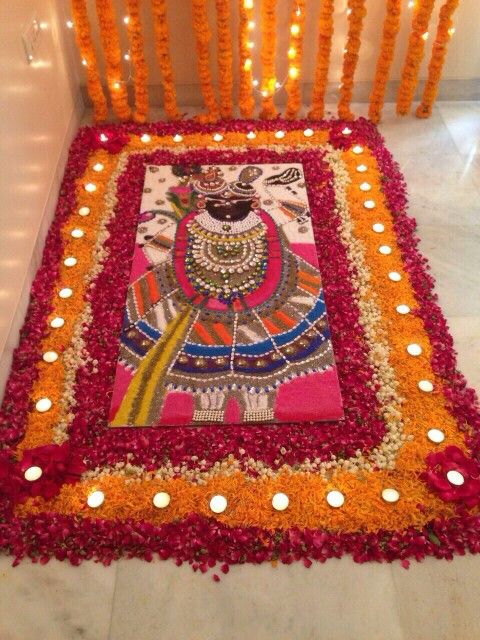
(339, 600)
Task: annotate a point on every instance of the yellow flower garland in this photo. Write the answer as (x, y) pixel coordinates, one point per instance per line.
(112, 55)
(294, 53)
(416, 46)
(246, 102)
(85, 46)
(350, 58)
(424, 109)
(325, 34)
(202, 37)
(267, 58)
(160, 27)
(224, 58)
(135, 37)
(391, 27)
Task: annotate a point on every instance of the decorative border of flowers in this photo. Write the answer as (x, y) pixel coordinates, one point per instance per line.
(198, 538)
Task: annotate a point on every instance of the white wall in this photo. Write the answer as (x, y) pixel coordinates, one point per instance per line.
(40, 111)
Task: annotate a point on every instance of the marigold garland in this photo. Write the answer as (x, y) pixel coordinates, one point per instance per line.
(414, 55)
(113, 59)
(350, 58)
(439, 51)
(325, 34)
(295, 53)
(267, 57)
(160, 28)
(87, 52)
(140, 71)
(246, 101)
(224, 58)
(202, 38)
(391, 27)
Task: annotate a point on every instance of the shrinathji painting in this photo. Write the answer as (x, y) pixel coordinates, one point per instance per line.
(225, 319)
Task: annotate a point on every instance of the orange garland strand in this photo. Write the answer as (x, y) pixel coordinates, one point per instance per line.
(87, 52)
(325, 34)
(391, 27)
(135, 37)
(113, 58)
(246, 102)
(224, 58)
(355, 24)
(424, 109)
(413, 58)
(202, 37)
(295, 52)
(267, 58)
(160, 28)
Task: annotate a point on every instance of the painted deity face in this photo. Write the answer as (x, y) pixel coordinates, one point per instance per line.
(230, 208)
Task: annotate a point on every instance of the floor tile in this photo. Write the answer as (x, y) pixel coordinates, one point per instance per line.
(438, 600)
(338, 600)
(463, 122)
(466, 334)
(55, 601)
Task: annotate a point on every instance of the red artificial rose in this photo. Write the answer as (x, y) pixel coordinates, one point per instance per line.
(453, 459)
(109, 138)
(59, 464)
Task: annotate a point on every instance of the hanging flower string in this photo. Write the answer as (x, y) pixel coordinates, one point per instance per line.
(202, 38)
(414, 55)
(267, 58)
(325, 34)
(112, 55)
(391, 27)
(140, 71)
(444, 31)
(246, 101)
(87, 52)
(294, 54)
(160, 27)
(357, 12)
(224, 58)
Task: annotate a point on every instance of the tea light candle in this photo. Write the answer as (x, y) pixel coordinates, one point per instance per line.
(390, 495)
(279, 134)
(103, 137)
(177, 137)
(378, 227)
(218, 504)
(369, 204)
(96, 499)
(455, 478)
(50, 356)
(425, 385)
(218, 137)
(98, 166)
(361, 168)
(83, 211)
(90, 187)
(435, 435)
(365, 186)
(308, 133)
(65, 293)
(161, 500)
(394, 276)
(251, 135)
(280, 501)
(385, 250)
(335, 498)
(77, 233)
(357, 149)
(43, 405)
(70, 262)
(32, 473)
(145, 138)
(414, 349)
(346, 131)
(402, 309)
(57, 322)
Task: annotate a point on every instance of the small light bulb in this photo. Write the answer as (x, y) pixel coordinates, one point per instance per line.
(293, 73)
(265, 93)
(298, 12)
(451, 31)
(116, 85)
(247, 65)
(291, 53)
(84, 62)
(250, 25)
(255, 82)
(294, 29)
(69, 24)
(349, 11)
(411, 4)
(248, 4)
(425, 36)
(250, 45)
(126, 19)
(277, 85)
(126, 56)
(30, 57)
